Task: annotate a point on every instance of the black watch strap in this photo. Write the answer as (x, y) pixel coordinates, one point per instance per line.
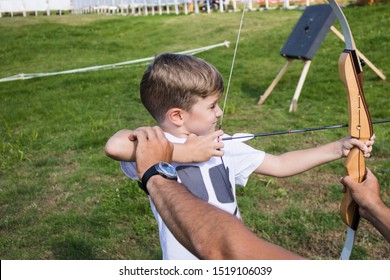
(143, 187)
(145, 178)
(164, 169)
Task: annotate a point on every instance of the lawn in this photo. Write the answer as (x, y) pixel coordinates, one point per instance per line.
(62, 198)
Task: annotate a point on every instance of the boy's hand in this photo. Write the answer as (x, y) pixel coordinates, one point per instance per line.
(348, 143)
(202, 148)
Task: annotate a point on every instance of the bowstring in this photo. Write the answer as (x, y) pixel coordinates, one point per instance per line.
(226, 95)
(232, 66)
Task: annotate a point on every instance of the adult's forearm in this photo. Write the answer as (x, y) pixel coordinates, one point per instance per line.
(206, 231)
(379, 217)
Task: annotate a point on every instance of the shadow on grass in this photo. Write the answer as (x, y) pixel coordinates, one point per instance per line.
(73, 248)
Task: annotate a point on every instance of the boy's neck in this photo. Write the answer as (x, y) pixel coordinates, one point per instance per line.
(178, 132)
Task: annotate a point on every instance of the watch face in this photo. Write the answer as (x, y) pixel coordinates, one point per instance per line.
(168, 170)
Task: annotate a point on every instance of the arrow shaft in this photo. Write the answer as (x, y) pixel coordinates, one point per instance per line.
(295, 131)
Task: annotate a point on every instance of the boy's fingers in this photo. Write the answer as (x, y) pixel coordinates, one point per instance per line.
(219, 145)
(218, 133)
(361, 145)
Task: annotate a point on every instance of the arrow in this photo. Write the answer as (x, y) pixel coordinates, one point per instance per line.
(248, 136)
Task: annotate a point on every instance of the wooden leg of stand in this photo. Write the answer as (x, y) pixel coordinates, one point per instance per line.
(369, 63)
(294, 102)
(274, 83)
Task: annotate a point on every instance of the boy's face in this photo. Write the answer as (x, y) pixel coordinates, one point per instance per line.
(203, 117)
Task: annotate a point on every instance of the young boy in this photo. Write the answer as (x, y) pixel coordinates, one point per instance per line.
(182, 92)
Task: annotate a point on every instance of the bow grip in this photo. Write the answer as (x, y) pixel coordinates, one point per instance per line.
(356, 169)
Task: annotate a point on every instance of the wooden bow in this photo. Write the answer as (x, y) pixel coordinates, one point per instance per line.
(360, 125)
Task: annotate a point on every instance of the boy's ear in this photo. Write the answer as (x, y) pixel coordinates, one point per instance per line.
(175, 116)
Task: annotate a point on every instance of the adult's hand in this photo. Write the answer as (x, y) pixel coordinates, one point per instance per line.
(153, 147)
(371, 206)
(365, 194)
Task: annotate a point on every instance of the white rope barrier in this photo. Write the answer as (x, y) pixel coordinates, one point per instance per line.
(24, 76)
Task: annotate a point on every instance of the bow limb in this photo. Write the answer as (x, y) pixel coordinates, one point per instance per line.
(360, 125)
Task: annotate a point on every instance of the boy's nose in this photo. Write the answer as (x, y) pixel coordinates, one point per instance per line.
(218, 111)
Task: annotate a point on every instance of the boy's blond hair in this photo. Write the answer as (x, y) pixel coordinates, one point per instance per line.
(177, 81)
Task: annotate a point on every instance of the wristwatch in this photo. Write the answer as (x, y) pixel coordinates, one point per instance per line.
(162, 168)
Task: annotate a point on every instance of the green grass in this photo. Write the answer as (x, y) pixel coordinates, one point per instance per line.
(62, 198)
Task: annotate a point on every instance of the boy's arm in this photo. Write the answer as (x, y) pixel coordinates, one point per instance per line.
(121, 146)
(292, 163)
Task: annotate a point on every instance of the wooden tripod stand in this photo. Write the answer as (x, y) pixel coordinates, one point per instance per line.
(303, 43)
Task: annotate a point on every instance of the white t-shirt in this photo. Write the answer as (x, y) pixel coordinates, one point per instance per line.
(213, 181)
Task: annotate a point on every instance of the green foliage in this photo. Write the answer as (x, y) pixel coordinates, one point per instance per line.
(62, 198)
